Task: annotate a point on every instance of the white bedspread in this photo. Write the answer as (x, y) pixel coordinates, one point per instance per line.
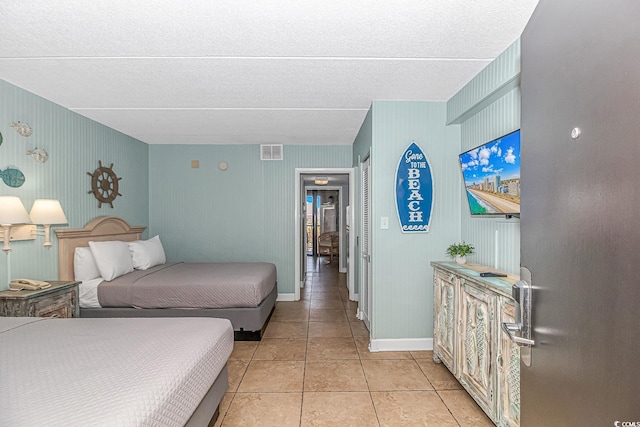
(108, 372)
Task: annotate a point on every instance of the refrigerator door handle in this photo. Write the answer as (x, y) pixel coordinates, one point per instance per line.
(514, 327)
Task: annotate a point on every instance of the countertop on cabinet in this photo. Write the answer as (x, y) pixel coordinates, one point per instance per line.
(55, 286)
(470, 271)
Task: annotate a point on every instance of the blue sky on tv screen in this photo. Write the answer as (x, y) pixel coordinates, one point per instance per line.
(498, 157)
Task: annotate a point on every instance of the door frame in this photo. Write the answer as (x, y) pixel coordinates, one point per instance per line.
(365, 299)
(300, 196)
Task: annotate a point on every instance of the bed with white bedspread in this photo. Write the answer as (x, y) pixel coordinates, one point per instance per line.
(134, 372)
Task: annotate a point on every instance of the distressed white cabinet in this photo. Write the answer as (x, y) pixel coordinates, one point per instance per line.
(468, 310)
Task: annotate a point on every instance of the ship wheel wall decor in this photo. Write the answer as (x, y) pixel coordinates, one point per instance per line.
(104, 184)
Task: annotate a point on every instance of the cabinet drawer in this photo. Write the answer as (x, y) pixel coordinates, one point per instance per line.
(53, 306)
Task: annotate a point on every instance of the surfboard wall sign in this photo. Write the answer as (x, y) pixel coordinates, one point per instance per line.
(414, 190)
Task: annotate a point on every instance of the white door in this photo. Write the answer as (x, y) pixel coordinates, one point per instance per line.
(365, 297)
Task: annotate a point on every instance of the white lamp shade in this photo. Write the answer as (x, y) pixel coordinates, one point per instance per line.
(12, 211)
(47, 211)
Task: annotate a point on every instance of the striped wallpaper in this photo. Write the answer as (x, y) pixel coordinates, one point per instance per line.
(487, 108)
(402, 279)
(75, 145)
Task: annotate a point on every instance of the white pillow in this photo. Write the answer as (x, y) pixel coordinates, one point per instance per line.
(84, 265)
(147, 253)
(112, 258)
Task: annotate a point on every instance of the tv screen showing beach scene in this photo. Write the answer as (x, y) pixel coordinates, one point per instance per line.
(491, 174)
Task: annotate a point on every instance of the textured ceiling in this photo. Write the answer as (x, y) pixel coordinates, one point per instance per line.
(223, 72)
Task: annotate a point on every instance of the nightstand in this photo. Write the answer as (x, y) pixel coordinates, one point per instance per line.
(58, 300)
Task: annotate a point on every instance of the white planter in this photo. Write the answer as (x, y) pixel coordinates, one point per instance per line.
(461, 259)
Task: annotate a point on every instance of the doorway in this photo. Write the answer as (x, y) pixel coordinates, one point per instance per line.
(339, 185)
(322, 221)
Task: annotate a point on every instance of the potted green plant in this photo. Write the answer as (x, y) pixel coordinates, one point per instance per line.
(459, 251)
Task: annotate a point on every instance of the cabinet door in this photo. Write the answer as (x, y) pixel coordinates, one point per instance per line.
(508, 367)
(444, 333)
(475, 349)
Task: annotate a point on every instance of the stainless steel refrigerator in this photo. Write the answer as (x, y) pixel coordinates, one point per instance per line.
(580, 213)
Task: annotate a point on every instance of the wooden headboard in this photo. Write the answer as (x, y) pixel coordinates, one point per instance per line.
(100, 229)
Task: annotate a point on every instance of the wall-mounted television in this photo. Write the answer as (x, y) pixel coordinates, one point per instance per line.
(491, 174)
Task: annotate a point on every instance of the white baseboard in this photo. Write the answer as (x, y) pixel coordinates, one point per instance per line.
(286, 297)
(403, 344)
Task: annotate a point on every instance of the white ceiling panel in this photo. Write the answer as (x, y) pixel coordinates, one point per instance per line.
(325, 59)
(354, 28)
(224, 126)
(238, 83)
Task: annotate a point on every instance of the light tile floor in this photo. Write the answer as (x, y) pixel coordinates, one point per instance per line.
(313, 368)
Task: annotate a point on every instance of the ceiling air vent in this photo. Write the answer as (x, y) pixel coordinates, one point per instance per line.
(271, 152)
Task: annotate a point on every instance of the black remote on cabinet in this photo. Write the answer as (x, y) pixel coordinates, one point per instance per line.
(492, 274)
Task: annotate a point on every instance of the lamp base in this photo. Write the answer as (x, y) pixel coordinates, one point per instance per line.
(4, 284)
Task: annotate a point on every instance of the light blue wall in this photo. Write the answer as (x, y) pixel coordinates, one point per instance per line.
(243, 214)
(402, 279)
(364, 139)
(487, 108)
(75, 144)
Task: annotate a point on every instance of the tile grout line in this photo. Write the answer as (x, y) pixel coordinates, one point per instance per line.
(306, 353)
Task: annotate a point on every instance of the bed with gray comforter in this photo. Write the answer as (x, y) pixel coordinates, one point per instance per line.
(244, 293)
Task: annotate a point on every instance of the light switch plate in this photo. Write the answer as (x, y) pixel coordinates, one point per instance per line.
(384, 222)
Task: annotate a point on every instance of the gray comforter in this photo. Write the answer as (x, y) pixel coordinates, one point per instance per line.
(191, 285)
